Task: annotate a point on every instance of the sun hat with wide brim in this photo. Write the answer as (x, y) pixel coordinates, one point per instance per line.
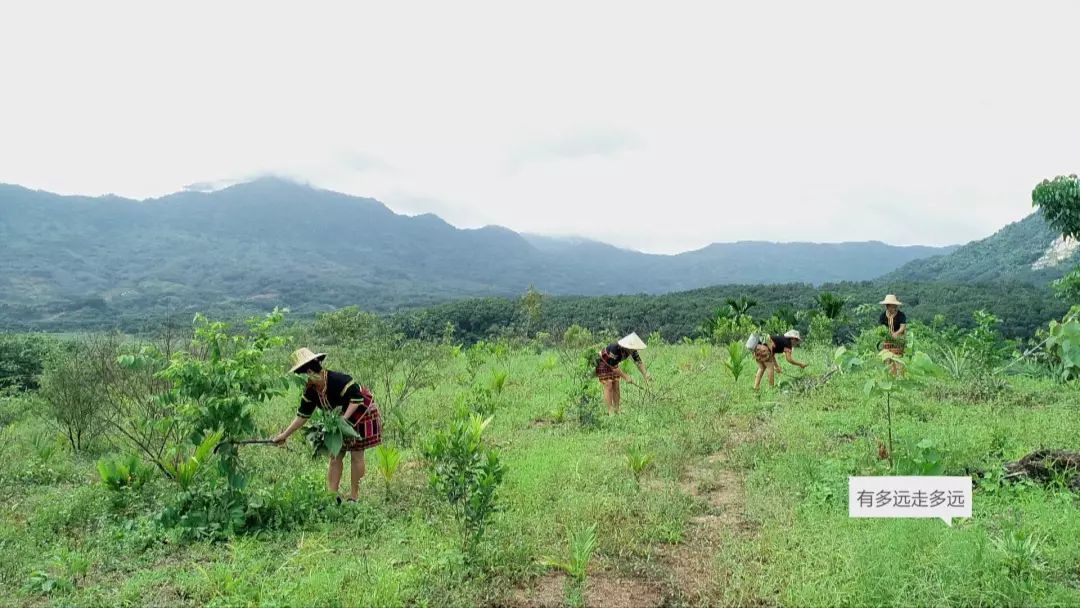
(633, 342)
(891, 299)
(793, 333)
(303, 356)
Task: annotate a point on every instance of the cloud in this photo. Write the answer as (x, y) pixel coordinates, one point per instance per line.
(572, 146)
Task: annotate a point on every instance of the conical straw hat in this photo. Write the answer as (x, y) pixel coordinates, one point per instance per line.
(633, 342)
(891, 299)
(303, 356)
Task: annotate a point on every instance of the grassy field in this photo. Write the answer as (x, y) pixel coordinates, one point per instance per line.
(745, 503)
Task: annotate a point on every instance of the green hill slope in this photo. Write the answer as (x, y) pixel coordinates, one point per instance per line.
(1008, 254)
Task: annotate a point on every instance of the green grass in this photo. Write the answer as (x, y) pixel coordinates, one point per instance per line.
(794, 452)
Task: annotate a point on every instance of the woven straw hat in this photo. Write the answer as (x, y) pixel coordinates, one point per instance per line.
(633, 342)
(303, 356)
(891, 299)
(793, 333)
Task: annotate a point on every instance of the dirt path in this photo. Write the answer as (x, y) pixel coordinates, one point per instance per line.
(697, 579)
(695, 575)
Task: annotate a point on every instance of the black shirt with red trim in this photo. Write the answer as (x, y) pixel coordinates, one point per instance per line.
(341, 390)
(780, 344)
(615, 354)
(898, 320)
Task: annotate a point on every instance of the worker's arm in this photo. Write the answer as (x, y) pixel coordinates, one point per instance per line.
(900, 332)
(791, 360)
(353, 406)
(297, 422)
(644, 372)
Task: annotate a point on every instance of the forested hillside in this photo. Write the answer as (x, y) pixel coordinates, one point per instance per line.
(76, 262)
(1022, 308)
(1009, 254)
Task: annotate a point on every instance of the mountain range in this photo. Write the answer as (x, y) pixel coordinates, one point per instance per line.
(71, 260)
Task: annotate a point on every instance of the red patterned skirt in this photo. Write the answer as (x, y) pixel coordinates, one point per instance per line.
(894, 348)
(369, 427)
(604, 371)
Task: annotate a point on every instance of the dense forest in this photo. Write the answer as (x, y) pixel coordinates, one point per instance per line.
(1022, 307)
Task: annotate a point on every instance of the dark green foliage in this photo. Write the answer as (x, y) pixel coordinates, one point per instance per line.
(1022, 307)
(22, 359)
(1059, 201)
(327, 431)
(1068, 287)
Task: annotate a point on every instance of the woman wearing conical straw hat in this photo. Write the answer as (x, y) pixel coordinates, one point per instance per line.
(608, 372)
(328, 390)
(895, 321)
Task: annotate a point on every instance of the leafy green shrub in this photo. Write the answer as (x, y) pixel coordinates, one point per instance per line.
(218, 390)
(917, 368)
(22, 360)
(1063, 344)
(926, 461)
(71, 387)
(205, 511)
(823, 330)
(466, 473)
(733, 329)
(119, 473)
(290, 502)
(1068, 287)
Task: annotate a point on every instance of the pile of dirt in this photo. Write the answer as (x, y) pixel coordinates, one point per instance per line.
(1043, 466)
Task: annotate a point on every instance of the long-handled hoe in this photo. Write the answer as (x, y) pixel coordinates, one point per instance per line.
(244, 442)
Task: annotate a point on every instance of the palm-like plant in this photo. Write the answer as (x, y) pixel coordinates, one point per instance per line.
(830, 305)
(786, 316)
(740, 307)
(638, 461)
(387, 460)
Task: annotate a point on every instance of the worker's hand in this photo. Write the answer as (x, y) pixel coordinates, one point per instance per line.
(648, 378)
(280, 439)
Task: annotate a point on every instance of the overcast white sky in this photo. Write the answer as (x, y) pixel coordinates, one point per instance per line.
(658, 126)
